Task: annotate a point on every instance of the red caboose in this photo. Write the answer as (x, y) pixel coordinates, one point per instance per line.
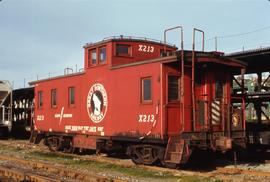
(142, 96)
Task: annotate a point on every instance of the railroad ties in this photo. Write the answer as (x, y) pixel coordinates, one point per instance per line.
(43, 172)
(17, 175)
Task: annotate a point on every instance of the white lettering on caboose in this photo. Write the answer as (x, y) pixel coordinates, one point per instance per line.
(145, 48)
(143, 118)
(85, 129)
(40, 117)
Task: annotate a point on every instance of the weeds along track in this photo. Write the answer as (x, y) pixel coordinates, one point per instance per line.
(110, 160)
(224, 173)
(232, 171)
(15, 169)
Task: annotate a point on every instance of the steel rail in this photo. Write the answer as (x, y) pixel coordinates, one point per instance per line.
(20, 175)
(51, 169)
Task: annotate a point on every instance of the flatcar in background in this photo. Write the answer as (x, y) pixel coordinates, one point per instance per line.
(142, 96)
(16, 110)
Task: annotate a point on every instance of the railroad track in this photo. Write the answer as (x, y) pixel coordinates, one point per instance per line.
(224, 173)
(18, 175)
(61, 171)
(233, 171)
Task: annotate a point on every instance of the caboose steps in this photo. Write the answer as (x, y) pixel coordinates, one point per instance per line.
(174, 157)
(177, 152)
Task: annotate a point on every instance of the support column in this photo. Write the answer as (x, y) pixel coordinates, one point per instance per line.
(258, 104)
(243, 81)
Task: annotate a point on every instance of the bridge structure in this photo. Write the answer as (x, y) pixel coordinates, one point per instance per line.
(254, 86)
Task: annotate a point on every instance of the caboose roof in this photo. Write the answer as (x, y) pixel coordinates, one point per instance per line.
(128, 39)
(217, 57)
(201, 57)
(56, 77)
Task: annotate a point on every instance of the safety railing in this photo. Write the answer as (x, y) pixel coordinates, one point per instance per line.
(137, 38)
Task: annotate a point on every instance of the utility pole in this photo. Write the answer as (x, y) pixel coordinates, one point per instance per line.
(216, 43)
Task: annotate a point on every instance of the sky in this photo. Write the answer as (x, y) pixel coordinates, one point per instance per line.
(39, 38)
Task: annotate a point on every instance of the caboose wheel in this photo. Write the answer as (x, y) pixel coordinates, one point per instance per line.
(145, 154)
(53, 143)
(69, 150)
(136, 157)
(67, 146)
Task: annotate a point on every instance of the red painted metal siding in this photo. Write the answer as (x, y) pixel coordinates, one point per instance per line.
(108, 97)
(125, 114)
(49, 118)
(123, 87)
(172, 112)
(140, 51)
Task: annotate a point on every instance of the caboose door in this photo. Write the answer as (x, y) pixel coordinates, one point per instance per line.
(219, 102)
(173, 104)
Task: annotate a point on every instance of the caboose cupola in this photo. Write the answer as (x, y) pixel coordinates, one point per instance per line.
(114, 51)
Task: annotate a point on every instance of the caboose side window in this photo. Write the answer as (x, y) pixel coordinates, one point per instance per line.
(53, 97)
(123, 50)
(167, 53)
(173, 88)
(102, 55)
(146, 93)
(219, 89)
(40, 99)
(71, 96)
(92, 57)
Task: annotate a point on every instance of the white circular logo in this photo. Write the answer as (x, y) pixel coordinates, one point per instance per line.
(97, 102)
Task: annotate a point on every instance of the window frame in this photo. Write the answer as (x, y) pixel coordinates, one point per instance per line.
(53, 98)
(220, 92)
(179, 88)
(40, 99)
(90, 59)
(150, 101)
(69, 96)
(162, 52)
(129, 54)
(99, 55)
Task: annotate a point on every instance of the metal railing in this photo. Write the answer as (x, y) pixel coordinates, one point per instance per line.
(17, 84)
(138, 38)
